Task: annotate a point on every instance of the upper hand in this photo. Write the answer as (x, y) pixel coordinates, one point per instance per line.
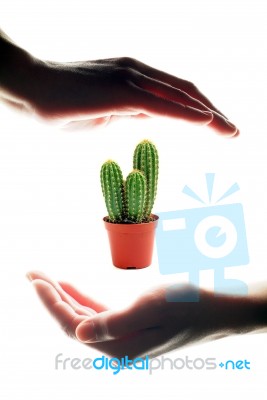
(90, 93)
(94, 92)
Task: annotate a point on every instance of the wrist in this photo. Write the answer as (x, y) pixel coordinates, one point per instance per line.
(18, 70)
(240, 315)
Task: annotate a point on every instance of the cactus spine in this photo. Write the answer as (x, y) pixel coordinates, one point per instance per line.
(113, 190)
(131, 201)
(135, 196)
(146, 160)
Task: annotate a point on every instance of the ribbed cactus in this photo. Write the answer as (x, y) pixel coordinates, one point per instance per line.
(131, 201)
(135, 196)
(113, 190)
(147, 161)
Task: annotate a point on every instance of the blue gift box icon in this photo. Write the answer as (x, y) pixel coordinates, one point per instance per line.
(210, 237)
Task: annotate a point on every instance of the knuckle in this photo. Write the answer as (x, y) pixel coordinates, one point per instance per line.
(190, 86)
(185, 293)
(127, 62)
(156, 300)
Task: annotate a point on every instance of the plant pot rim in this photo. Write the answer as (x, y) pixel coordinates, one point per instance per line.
(124, 227)
(155, 218)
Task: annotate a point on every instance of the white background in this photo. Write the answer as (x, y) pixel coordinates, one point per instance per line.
(51, 204)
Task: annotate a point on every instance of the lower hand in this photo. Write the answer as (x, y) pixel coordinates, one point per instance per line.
(151, 325)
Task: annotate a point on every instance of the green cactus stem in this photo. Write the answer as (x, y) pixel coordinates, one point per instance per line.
(147, 161)
(135, 196)
(113, 190)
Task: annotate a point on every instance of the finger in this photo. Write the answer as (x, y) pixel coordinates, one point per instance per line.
(82, 298)
(17, 106)
(59, 309)
(141, 116)
(153, 105)
(115, 324)
(140, 345)
(178, 83)
(33, 275)
(223, 126)
(99, 122)
(85, 124)
(166, 91)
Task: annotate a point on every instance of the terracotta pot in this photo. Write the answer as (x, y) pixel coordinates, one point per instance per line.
(131, 245)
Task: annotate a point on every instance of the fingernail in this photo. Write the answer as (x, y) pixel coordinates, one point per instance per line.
(85, 332)
(209, 116)
(209, 113)
(28, 276)
(234, 128)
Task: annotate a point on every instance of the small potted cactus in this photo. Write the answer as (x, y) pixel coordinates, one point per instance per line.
(130, 223)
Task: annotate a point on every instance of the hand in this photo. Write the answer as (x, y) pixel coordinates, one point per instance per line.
(90, 93)
(151, 326)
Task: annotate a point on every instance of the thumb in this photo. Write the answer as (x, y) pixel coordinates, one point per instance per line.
(110, 325)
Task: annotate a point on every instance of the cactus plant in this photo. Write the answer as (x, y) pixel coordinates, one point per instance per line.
(146, 160)
(113, 190)
(131, 201)
(135, 196)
